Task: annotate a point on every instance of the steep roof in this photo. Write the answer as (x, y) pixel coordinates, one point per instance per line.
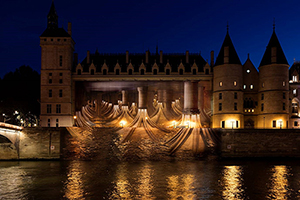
(280, 57)
(58, 32)
(233, 57)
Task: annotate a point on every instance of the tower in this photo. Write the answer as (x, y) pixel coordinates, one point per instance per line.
(57, 47)
(227, 88)
(273, 91)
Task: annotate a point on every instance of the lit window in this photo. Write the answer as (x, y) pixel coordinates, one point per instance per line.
(294, 91)
(221, 83)
(234, 83)
(248, 71)
(295, 79)
(251, 87)
(245, 87)
(283, 83)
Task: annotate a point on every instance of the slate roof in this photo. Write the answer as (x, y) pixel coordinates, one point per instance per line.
(233, 57)
(58, 32)
(136, 59)
(294, 67)
(274, 42)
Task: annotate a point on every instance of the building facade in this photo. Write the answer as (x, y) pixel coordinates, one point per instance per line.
(230, 94)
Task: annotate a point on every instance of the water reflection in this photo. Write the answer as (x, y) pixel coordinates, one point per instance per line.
(279, 183)
(74, 184)
(122, 185)
(181, 187)
(145, 182)
(232, 183)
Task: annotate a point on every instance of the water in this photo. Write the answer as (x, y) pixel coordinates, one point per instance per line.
(207, 179)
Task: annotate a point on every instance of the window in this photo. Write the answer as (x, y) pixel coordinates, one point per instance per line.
(104, 72)
(294, 92)
(262, 96)
(274, 124)
(251, 86)
(48, 122)
(220, 95)
(155, 72)
(245, 87)
(58, 40)
(57, 123)
(168, 72)
(60, 74)
(65, 40)
(234, 83)
(194, 71)
(50, 78)
(237, 124)
(50, 74)
(295, 123)
(262, 107)
(263, 85)
(220, 106)
(235, 95)
(45, 40)
(79, 71)
(117, 71)
(58, 108)
(181, 71)
(142, 72)
(50, 81)
(223, 124)
(51, 40)
(248, 71)
(283, 95)
(295, 79)
(283, 106)
(60, 94)
(221, 84)
(130, 71)
(294, 108)
(235, 106)
(92, 71)
(60, 80)
(50, 93)
(206, 71)
(48, 108)
(283, 83)
(60, 61)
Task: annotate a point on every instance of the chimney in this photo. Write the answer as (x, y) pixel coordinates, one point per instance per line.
(212, 62)
(88, 57)
(127, 57)
(226, 55)
(75, 59)
(161, 57)
(187, 56)
(147, 56)
(70, 28)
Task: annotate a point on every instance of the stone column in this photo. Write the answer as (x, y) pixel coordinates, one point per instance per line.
(142, 97)
(124, 98)
(200, 97)
(191, 97)
(161, 96)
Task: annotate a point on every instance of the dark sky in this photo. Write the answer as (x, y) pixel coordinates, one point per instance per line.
(176, 26)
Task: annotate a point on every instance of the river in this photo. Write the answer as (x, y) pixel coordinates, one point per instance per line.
(199, 179)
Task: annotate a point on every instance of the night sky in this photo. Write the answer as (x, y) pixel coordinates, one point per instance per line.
(175, 26)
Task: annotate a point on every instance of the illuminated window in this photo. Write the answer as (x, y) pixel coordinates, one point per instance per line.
(50, 93)
(58, 108)
(248, 71)
(295, 108)
(221, 84)
(251, 87)
(294, 91)
(283, 83)
(235, 106)
(262, 96)
(220, 106)
(245, 87)
(234, 83)
(262, 107)
(60, 93)
(220, 95)
(274, 124)
(48, 108)
(235, 95)
(295, 79)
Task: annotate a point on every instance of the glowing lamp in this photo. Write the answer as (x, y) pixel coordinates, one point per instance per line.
(75, 117)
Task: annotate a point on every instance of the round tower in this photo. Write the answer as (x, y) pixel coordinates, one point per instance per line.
(227, 88)
(273, 91)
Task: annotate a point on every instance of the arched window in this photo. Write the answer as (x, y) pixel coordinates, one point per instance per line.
(194, 71)
(117, 71)
(155, 72)
(92, 71)
(104, 71)
(130, 71)
(142, 72)
(79, 71)
(168, 72)
(181, 71)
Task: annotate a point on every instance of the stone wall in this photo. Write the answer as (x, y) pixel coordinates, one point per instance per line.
(260, 143)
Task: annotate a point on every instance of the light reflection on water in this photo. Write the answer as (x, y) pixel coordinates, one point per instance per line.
(149, 180)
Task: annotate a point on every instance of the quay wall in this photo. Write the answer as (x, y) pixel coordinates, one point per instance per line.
(260, 143)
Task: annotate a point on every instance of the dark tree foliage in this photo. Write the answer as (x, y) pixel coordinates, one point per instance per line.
(20, 91)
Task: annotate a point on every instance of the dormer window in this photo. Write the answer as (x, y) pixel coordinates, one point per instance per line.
(295, 79)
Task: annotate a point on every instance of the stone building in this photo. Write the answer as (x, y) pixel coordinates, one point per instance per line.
(230, 94)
